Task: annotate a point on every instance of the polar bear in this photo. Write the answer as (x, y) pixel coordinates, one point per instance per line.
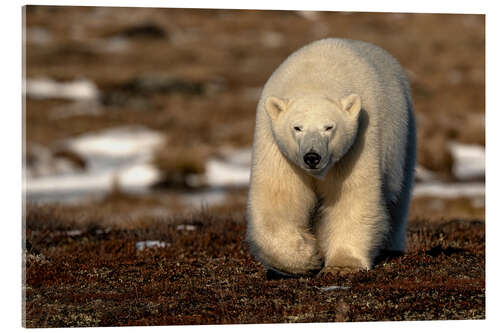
(332, 161)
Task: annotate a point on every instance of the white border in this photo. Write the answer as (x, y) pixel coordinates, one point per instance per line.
(423, 6)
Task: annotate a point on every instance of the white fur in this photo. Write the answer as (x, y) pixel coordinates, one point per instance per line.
(350, 101)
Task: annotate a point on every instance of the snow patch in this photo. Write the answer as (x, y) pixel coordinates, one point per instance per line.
(42, 88)
(469, 161)
(330, 288)
(233, 169)
(139, 246)
(449, 190)
(41, 162)
(187, 227)
(119, 156)
(74, 233)
(116, 143)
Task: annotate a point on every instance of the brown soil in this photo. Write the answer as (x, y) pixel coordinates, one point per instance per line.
(206, 275)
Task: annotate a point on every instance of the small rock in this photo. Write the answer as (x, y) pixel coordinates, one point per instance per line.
(149, 244)
(330, 288)
(73, 233)
(187, 227)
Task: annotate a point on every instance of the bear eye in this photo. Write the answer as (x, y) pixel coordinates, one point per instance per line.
(328, 128)
(297, 128)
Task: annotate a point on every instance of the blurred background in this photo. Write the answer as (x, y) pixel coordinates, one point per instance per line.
(134, 113)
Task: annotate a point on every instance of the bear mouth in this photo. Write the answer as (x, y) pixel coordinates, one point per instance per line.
(321, 170)
(317, 172)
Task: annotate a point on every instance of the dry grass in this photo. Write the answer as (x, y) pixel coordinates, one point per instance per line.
(433, 208)
(97, 277)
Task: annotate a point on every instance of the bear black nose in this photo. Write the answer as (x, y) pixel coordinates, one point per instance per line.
(312, 159)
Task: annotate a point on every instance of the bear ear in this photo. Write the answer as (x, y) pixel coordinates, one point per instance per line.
(352, 104)
(275, 106)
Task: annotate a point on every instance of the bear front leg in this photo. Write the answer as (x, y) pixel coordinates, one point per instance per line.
(352, 229)
(278, 229)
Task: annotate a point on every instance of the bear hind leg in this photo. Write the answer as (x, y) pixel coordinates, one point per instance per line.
(398, 202)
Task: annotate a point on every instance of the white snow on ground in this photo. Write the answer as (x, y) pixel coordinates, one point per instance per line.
(187, 227)
(449, 190)
(42, 88)
(120, 155)
(468, 161)
(468, 168)
(468, 165)
(116, 143)
(44, 163)
(139, 246)
(330, 288)
(234, 170)
(231, 170)
(73, 233)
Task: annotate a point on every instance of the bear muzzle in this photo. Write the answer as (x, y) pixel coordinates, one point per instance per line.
(312, 159)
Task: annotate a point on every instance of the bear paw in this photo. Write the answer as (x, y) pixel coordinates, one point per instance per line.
(307, 251)
(302, 256)
(343, 263)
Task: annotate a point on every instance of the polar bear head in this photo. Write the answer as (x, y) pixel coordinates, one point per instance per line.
(314, 132)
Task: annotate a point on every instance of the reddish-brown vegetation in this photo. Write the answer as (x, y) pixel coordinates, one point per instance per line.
(207, 276)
